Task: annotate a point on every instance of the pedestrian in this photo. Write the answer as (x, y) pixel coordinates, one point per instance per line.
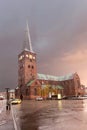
(8, 105)
(21, 97)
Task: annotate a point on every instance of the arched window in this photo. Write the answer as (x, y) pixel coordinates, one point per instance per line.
(28, 66)
(32, 67)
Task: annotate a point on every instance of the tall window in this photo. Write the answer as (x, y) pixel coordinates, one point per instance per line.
(35, 91)
(28, 66)
(26, 92)
(32, 66)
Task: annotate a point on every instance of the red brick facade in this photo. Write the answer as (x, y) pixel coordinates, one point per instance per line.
(30, 86)
(27, 67)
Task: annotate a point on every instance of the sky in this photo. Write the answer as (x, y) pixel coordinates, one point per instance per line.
(58, 30)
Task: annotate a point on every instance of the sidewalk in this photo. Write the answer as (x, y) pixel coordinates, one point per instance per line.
(6, 121)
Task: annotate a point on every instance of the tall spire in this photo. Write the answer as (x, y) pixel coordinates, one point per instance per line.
(29, 39)
(27, 45)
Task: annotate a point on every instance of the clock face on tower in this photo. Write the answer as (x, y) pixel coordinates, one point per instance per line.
(21, 57)
(30, 56)
(27, 55)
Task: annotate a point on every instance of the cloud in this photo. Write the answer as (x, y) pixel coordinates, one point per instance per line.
(58, 31)
(76, 57)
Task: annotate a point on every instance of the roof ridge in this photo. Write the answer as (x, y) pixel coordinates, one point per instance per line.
(56, 78)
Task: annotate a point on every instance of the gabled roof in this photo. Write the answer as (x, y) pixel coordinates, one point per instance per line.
(12, 91)
(17, 87)
(59, 87)
(30, 83)
(55, 78)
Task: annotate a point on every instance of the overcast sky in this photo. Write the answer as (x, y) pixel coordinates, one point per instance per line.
(58, 31)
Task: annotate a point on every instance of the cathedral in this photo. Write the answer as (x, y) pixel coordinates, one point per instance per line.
(32, 84)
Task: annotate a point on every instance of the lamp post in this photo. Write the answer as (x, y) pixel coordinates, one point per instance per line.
(7, 97)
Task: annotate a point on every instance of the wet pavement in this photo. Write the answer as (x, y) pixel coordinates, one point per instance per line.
(51, 115)
(45, 115)
(6, 121)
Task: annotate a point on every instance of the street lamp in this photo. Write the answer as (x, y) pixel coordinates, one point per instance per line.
(7, 97)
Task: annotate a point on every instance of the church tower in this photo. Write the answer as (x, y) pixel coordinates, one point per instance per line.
(27, 69)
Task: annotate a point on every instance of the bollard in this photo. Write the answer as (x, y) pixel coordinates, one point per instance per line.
(6, 107)
(9, 106)
(8, 102)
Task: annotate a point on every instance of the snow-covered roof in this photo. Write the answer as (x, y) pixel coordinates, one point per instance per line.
(12, 90)
(55, 78)
(17, 87)
(30, 82)
(26, 49)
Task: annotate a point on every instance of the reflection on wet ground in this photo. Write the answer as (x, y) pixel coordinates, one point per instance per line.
(52, 115)
(6, 121)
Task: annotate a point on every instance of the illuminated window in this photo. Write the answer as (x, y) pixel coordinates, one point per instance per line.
(34, 57)
(30, 56)
(26, 55)
(20, 58)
